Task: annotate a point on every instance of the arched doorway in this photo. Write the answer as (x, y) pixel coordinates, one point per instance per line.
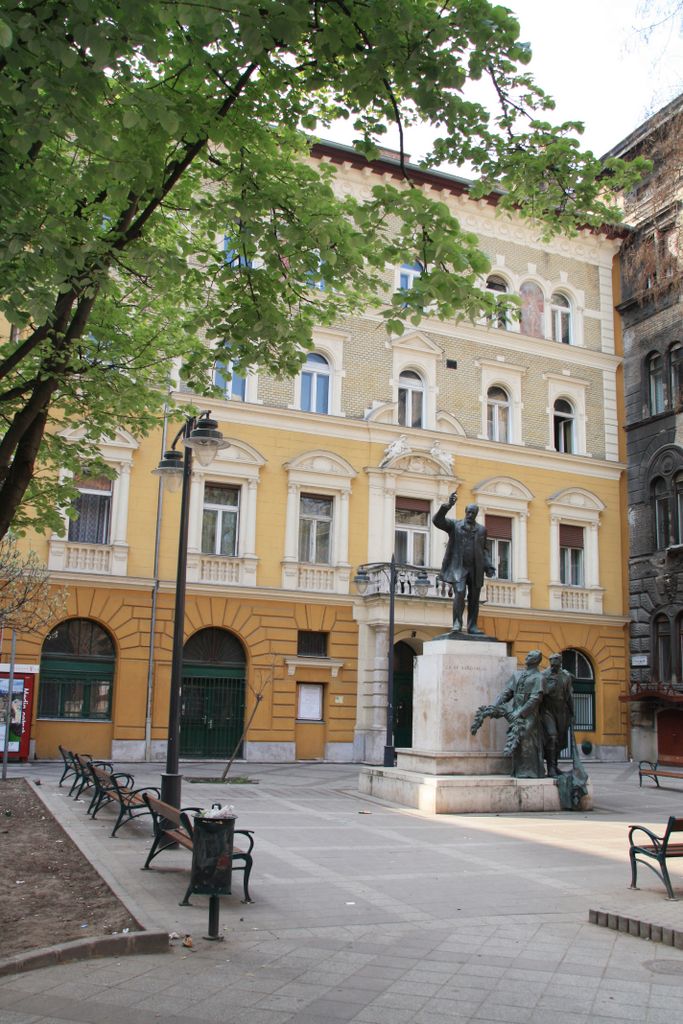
(77, 672)
(584, 692)
(404, 657)
(670, 736)
(212, 696)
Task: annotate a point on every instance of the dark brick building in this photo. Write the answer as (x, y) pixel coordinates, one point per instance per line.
(652, 317)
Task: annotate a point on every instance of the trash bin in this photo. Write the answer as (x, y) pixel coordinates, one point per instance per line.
(212, 846)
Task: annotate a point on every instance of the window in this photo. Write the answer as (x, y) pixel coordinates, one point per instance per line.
(563, 426)
(408, 274)
(584, 689)
(315, 528)
(655, 384)
(495, 283)
(232, 384)
(410, 399)
(667, 500)
(311, 644)
(309, 702)
(499, 544)
(315, 384)
(220, 519)
(533, 310)
(662, 649)
(498, 414)
(76, 672)
(571, 555)
(411, 531)
(94, 511)
(561, 319)
(676, 376)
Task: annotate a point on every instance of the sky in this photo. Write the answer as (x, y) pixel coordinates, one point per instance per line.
(608, 63)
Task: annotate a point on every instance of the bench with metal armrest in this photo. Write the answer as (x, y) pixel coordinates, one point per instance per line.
(652, 847)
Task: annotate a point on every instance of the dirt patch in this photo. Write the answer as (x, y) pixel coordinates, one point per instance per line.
(49, 892)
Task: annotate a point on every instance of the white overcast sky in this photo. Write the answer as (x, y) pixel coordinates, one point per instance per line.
(608, 63)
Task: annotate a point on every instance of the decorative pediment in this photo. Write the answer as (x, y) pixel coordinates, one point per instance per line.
(577, 498)
(448, 423)
(666, 461)
(416, 341)
(240, 452)
(503, 487)
(121, 438)
(321, 463)
(381, 412)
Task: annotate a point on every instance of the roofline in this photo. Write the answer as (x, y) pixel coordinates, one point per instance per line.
(442, 181)
(639, 134)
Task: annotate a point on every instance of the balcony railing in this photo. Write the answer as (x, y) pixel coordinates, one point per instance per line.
(501, 593)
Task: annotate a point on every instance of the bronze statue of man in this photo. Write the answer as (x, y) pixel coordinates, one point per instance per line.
(557, 711)
(465, 562)
(519, 704)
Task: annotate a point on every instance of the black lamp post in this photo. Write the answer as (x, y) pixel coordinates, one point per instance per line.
(362, 580)
(201, 436)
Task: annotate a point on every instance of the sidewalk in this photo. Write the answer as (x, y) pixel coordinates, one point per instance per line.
(371, 913)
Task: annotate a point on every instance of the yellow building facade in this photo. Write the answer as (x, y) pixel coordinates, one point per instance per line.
(341, 468)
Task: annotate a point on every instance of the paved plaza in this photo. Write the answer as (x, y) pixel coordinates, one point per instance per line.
(371, 913)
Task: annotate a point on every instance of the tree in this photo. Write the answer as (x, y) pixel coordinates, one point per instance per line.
(28, 601)
(158, 196)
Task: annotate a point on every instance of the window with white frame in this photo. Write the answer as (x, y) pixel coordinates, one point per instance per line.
(411, 530)
(315, 384)
(232, 384)
(496, 283)
(315, 528)
(220, 519)
(561, 320)
(655, 383)
(411, 391)
(563, 426)
(408, 274)
(497, 414)
(571, 555)
(499, 544)
(93, 506)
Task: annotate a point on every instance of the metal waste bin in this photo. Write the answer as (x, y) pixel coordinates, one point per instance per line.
(212, 846)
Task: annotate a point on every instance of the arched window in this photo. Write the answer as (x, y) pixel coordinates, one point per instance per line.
(655, 384)
(315, 384)
(561, 318)
(77, 672)
(584, 688)
(410, 399)
(676, 376)
(661, 500)
(498, 414)
(533, 310)
(563, 426)
(212, 695)
(498, 284)
(661, 648)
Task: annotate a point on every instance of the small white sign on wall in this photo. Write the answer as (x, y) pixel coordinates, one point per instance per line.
(639, 660)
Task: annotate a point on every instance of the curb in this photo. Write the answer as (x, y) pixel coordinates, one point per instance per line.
(85, 949)
(634, 926)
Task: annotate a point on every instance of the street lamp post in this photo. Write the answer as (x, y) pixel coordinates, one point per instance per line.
(361, 580)
(201, 436)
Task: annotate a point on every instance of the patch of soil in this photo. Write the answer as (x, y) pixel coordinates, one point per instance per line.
(49, 892)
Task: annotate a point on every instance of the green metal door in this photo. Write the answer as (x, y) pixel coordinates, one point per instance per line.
(211, 710)
(403, 709)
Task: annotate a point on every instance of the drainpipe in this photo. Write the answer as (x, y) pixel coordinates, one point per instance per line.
(153, 612)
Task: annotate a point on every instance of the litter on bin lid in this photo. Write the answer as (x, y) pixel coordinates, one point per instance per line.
(219, 812)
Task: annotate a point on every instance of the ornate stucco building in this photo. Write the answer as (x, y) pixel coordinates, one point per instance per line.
(342, 467)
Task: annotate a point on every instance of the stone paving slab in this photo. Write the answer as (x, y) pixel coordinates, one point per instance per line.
(370, 913)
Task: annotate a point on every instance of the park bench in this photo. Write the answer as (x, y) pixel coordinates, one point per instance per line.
(658, 849)
(84, 779)
(71, 766)
(172, 826)
(652, 770)
(118, 788)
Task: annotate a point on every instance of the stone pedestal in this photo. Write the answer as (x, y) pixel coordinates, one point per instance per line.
(447, 770)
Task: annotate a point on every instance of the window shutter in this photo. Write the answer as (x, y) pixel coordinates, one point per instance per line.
(571, 536)
(413, 504)
(499, 527)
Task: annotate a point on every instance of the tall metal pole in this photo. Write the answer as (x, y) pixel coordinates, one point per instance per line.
(8, 715)
(171, 780)
(389, 752)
